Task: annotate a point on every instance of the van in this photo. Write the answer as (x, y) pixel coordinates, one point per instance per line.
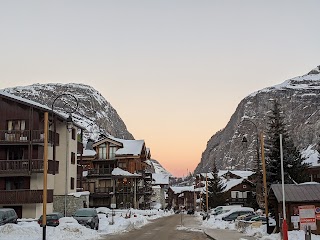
(8, 215)
(223, 209)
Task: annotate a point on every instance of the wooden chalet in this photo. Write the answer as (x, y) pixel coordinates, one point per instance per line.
(132, 188)
(295, 195)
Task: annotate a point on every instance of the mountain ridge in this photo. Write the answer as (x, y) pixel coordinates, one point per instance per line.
(299, 98)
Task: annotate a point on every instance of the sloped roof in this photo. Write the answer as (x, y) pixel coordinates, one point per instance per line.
(130, 147)
(182, 189)
(297, 192)
(159, 178)
(40, 106)
(121, 172)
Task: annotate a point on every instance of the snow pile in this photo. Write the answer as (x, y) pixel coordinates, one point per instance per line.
(69, 228)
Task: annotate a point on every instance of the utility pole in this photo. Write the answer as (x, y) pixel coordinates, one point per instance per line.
(45, 177)
(284, 222)
(264, 180)
(207, 197)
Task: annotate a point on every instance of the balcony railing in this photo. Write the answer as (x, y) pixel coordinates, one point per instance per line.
(25, 167)
(24, 196)
(25, 136)
(101, 171)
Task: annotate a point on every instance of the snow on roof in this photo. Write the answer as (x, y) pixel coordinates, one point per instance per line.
(231, 183)
(182, 189)
(78, 194)
(240, 173)
(311, 156)
(158, 178)
(36, 104)
(88, 153)
(27, 101)
(130, 147)
(121, 172)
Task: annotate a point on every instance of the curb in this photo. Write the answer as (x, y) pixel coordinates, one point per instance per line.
(209, 236)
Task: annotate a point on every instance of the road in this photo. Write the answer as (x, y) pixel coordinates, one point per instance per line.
(163, 229)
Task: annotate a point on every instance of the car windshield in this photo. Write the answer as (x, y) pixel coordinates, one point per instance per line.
(51, 216)
(84, 213)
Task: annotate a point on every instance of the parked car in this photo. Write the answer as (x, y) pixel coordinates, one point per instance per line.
(87, 217)
(190, 211)
(234, 213)
(223, 209)
(8, 215)
(52, 219)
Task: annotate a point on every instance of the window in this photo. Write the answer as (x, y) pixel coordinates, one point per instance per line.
(72, 183)
(73, 134)
(73, 158)
(112, 152)
(103, 151)
(244, 194)
(122, 165)
(16, 125)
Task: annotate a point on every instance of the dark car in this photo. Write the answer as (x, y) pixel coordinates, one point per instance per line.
(8, 215)
(190, 211)
(52, 219)
(87, 217)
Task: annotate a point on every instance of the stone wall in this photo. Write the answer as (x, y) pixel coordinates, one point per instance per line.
(72, 203)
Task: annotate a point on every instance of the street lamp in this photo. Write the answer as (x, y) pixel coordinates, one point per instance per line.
(244, 140)
(70, 105)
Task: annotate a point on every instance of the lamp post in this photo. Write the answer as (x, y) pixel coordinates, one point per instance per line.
(69, 107)
(244, 139)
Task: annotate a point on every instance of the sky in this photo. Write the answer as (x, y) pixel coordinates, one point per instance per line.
(175, 70)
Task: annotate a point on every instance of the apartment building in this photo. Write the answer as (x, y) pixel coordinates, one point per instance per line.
(22, 157)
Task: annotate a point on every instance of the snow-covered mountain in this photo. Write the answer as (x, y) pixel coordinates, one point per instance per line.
(94, 112)
(299, 99)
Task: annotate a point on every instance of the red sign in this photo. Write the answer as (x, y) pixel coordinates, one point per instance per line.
(307, 217)
(318, 216)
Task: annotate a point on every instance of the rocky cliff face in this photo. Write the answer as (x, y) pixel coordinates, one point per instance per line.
(93, 112)
(300, 101)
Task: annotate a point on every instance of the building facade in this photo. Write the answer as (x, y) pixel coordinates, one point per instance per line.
(22, 156)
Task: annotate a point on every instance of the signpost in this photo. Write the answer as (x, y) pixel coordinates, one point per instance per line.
(307, 215)
(113, 206)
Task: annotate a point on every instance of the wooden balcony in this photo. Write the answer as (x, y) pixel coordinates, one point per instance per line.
(100, 172)
(26, 167)
(102, 192)
(25, 136)
(24, 196)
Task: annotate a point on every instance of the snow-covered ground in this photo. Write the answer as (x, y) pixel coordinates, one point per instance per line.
(258, 232)
(124, 220)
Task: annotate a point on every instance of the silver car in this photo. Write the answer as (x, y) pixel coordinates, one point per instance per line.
(87, 217)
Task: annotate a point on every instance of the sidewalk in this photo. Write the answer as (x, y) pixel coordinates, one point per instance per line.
(216, 234)
(223, 234)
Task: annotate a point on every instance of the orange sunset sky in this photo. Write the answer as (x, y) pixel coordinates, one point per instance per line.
(175, 71)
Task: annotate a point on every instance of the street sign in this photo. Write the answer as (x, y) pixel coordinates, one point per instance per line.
(113, 205)
(307, 217)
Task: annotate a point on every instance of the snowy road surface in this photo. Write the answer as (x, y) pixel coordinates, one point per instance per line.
(165, 228)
